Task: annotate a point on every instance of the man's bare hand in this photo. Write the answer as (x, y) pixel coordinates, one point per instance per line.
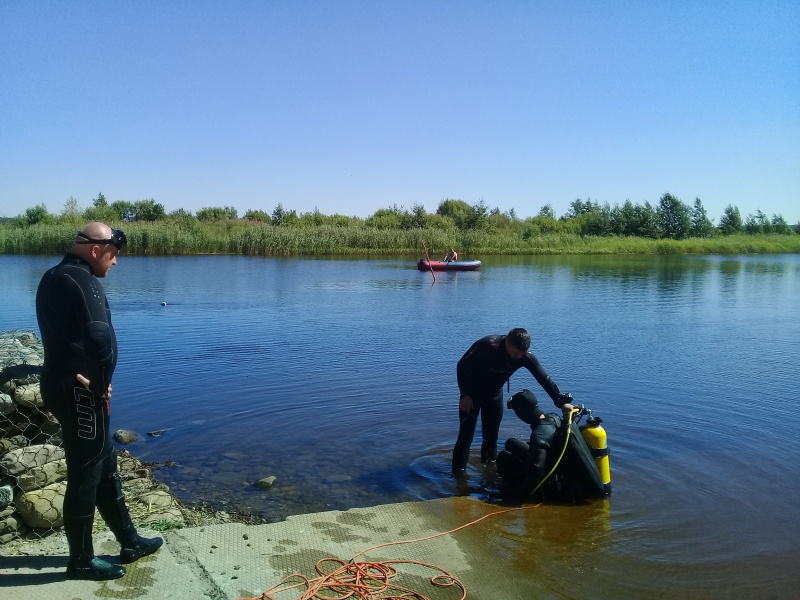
(465, 404)
(85, 383)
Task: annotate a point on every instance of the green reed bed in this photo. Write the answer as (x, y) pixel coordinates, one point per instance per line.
(259, 239)
(40, 239)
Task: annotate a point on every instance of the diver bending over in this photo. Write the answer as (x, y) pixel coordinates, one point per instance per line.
(80, 355)
(481, 373)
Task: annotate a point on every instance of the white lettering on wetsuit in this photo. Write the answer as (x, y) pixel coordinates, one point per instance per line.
(87, 416)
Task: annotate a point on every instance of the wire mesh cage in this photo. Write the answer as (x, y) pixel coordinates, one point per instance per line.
(33, 468)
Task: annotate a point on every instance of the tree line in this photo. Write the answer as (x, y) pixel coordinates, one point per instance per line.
(670, 218)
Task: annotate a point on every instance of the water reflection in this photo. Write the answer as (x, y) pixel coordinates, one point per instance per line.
(730, 267)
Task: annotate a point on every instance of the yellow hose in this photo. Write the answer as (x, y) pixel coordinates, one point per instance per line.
(560, 456)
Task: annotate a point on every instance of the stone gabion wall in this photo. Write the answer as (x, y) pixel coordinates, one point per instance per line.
(32, 464)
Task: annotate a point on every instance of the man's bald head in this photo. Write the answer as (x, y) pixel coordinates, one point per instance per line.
(93, 244)
(93, 231)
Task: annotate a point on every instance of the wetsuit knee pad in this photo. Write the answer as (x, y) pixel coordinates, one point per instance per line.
(516, 447)
(509, 467)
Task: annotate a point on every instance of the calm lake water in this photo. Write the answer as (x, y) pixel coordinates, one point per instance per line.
(338, 377)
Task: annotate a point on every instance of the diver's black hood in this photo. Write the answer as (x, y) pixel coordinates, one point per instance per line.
(525, 406)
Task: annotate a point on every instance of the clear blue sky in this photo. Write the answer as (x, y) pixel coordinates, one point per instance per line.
(354, 106)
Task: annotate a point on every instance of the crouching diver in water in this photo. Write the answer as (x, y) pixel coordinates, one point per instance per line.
(80, 354)
(556, 461)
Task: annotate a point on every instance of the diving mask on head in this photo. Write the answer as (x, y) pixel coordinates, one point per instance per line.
(117, 239)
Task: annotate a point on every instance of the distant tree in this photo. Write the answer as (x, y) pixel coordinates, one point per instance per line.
(476, 218)
(454, 209)
(547, 212)
(148, 210)
(257, 215)
(213, 213)
(763, 222)
(100, 211)
(71, 212)
(36, 214)
(124, 210)
(317, 219)
(647, 222)
(622, 218)
(416, 219)
(512, 214)
(439, 222)
(595, 222)
(281, 216)
(751, 225)
(231, 212)
(499, 220)
(314, 219)
(578, 207)
(338, 220)
(182, 216)
(758, 223)
(385, 218)
(675, 216)
(104, 214)
(278, 215)
(731, 221)
(779, 225)
(539, 225)
(701, 224)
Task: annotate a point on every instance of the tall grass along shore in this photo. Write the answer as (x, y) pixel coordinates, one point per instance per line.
(162, 238)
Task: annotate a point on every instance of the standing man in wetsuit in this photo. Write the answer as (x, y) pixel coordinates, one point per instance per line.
(482, 372)
(80, 354)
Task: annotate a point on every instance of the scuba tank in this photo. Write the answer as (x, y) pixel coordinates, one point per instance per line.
(595, 437)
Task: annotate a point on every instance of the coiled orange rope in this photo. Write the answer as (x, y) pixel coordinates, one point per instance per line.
(369, 580)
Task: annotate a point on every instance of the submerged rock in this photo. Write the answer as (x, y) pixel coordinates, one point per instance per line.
(266, 483)
(126, 437)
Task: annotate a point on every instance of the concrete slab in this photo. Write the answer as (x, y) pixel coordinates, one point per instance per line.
(232, 561)
(38, 572)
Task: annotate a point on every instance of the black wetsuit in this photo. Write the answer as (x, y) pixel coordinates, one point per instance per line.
(75, 324)
(481, 372)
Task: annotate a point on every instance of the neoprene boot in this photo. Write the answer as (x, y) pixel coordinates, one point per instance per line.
(112, 507)
(135, 546)
(83, 564)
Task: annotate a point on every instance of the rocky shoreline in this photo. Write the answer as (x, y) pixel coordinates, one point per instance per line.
(33, 468)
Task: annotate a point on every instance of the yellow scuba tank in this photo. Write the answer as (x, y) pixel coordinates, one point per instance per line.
(595, 437)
